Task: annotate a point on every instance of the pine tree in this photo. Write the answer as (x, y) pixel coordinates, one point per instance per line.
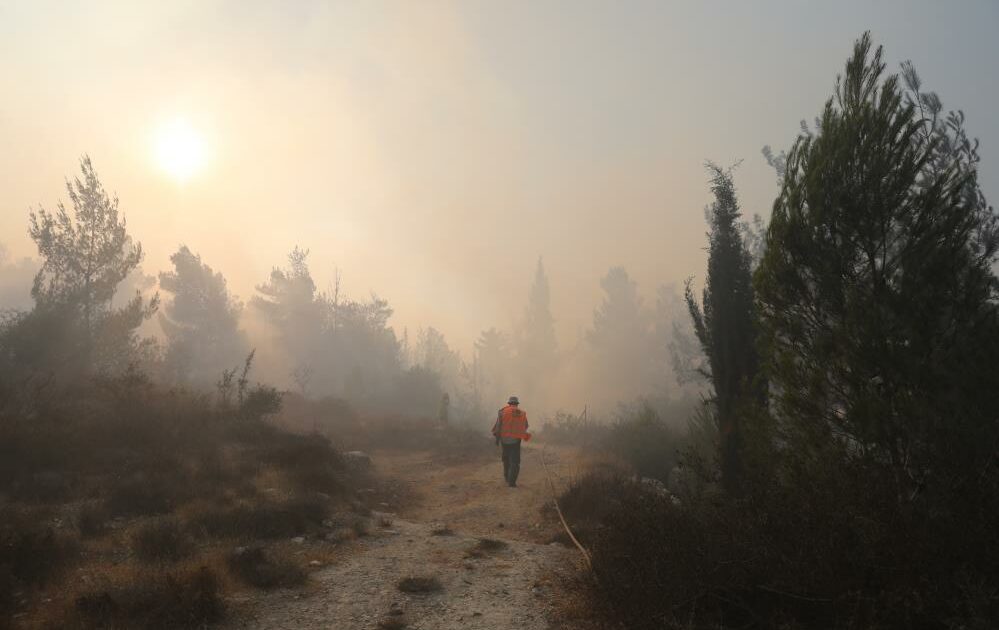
(493, 363)
(621, 341)
(877, 286)
(290, 303)
(537, 347)
(201, 321)
(725, 324)
(85, 256)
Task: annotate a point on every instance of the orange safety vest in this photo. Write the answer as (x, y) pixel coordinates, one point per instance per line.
(513, 423)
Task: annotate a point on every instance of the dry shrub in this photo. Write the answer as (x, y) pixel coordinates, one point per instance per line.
(161, 540)
(392, 623)
(420, 584)
(31, 549)
(591, 499)
(254, 566)
(32, 554)
(399, 433)
(310, 461)
(181, 599)
(332, 416)
(486, 547)
(574, 430)
(142, 494)
(360, 525)
(826, 543)
(645, 441)
(454, 443)
(219, 472)
(263, 521)
(92, 519)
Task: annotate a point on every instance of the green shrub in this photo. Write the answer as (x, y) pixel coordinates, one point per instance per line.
(643, 440)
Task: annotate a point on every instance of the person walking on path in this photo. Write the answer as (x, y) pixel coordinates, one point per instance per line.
(510, 428)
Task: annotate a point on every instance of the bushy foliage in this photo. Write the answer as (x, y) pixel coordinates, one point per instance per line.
(869, 493)
(536, 347)
(85, 256)
(200, 321)
(644, 440)
(878, 290)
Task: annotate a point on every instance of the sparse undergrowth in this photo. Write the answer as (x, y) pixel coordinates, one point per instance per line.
(169, 481)
(834, 552)
(257, 567)
(180, 599)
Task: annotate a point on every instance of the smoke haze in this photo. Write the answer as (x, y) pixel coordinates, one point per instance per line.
(432, 152)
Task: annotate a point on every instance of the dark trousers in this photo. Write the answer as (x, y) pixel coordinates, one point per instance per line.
(511, 462)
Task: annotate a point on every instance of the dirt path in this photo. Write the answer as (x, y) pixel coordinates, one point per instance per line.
(471, 497)
(507, 584)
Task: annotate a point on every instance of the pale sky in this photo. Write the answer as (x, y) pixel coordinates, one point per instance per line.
(433, 150)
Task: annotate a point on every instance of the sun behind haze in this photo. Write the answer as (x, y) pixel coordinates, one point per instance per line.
(179, 149)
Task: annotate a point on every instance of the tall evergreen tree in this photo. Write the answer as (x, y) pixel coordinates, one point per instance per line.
(434, 354)
(85, 256)
(624, 363)
(290, 303)
(537, 347)
(877, 286)
(493, 364)
(725, 324)
(362, 350)
(201, 321)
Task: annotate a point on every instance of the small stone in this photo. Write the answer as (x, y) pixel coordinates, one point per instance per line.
(298, 540)
(315, 563)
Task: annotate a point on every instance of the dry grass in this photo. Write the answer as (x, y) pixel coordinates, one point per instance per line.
(161, 539)
(112, 484)
(128, 596)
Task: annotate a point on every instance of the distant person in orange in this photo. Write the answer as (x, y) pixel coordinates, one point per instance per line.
(509, 430)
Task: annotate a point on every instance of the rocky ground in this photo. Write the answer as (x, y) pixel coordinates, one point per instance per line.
(478, 552)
